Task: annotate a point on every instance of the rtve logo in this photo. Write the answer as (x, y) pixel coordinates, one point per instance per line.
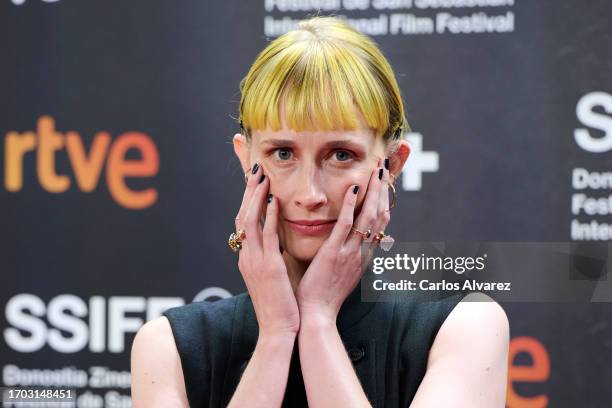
(86, 166)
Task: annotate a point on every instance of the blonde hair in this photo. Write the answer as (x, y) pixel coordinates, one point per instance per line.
(322, 70)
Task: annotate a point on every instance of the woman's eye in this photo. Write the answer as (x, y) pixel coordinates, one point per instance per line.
(283, 153)
(342, 155)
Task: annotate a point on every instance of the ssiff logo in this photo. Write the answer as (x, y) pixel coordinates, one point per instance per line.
(87, 167)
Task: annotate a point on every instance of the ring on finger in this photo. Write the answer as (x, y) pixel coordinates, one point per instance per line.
(235, 240)
(364, 234)
(385, 241)
(378, 236)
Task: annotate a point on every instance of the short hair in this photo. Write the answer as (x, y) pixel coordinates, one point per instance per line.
(322, 70)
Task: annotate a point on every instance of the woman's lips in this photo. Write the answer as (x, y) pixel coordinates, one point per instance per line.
(316, 229)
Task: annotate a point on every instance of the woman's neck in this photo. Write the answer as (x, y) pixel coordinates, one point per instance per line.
(295, 269)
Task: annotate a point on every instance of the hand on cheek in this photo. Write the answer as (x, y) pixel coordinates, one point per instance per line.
(339, 264)
(363, 182)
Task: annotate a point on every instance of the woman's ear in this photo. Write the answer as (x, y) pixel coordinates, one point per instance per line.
(242, 150)
(398, 156)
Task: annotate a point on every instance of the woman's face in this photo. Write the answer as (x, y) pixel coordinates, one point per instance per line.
(309, 173)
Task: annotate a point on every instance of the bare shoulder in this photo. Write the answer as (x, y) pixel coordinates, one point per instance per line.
(477, 322)
(479, 308)
(468, 358)
(157, 375)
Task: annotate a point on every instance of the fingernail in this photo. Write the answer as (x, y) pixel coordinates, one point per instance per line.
(387, 163)
(355, 189)
(263, 176)
(380, 173)
(255, 168)
(269, 198)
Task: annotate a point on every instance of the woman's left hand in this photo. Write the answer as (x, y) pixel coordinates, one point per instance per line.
(338, 265)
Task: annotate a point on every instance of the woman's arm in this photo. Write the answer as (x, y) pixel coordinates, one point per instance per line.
(329, 377)
(469, 358)
(261, 264)
(264, 380)
(157, 374)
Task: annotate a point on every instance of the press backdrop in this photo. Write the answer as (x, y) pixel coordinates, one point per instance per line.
(119, 184)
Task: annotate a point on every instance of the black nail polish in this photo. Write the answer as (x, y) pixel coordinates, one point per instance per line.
(263, 176)
(380, 173)
(269, 198)
(255, 168)
(355, 189)
(387, 163)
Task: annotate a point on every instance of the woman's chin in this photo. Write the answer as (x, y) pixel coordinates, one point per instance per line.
(304, 250)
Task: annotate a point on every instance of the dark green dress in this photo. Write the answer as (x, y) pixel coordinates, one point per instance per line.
(387, 342)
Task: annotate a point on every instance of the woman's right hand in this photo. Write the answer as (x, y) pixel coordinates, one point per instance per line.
(261, 263)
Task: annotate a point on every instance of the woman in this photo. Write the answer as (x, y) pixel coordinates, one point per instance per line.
(321, 121)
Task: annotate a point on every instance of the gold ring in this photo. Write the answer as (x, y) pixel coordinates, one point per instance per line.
(379, 235)
(364, 234)
(235, 240)
(385, 241)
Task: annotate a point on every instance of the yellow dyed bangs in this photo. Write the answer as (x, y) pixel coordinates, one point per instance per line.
(321, 72)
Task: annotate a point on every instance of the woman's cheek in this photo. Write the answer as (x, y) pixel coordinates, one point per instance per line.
(360, 178)
(341, 191)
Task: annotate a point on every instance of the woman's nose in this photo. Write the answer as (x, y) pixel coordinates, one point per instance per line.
(309, 192)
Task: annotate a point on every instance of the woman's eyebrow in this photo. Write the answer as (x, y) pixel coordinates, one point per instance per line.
(278, 142)
(333, 144)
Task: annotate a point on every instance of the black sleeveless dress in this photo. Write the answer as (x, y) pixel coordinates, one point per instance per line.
(387, 342)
